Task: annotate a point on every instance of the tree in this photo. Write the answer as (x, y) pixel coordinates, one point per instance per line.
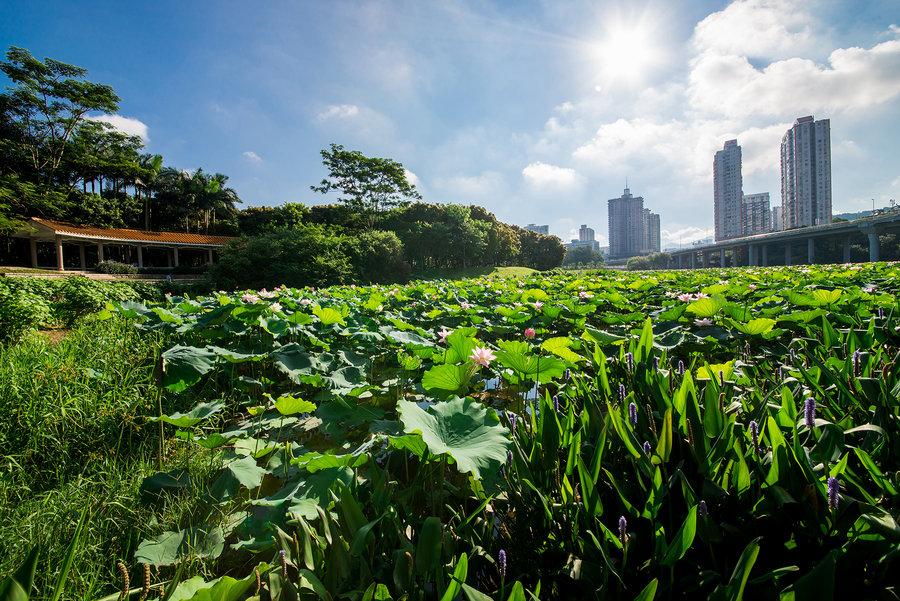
(47, 102)
(366, 184)
(582, 255)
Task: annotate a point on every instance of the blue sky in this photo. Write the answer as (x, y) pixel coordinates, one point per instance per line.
(536, 110)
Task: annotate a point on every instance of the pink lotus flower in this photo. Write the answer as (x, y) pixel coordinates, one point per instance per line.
(250, 298)
(686, 297)
(703, 322)
(266, 294)
(275, 307)
(465, 306)
(700, 295)
(443, 333)
(538, 305)
(529, 333)
(482, 356)
(869, 289)
(751, 286)
(583, 295)
(305, 301)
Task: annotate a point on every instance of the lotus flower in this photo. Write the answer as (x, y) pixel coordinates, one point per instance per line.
(584, 295)
(751, 286)
(266, 294)
(275, 307)
(443, 333)
(538, 305)
(250, 298)
(482, 356)
(529, 333)
(686, 297)
(701, 323)
(305, 301)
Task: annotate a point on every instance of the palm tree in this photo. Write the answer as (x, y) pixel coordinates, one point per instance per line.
(150, 166)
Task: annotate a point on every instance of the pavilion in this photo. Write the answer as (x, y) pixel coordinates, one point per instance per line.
(82, 247)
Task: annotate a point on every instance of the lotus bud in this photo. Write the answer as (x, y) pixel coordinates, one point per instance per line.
(809, 412)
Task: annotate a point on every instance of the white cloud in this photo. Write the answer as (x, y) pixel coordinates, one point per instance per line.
(543, 176)
(338, 111)
(127, 125)
(757, 28)
(411, 177)
(252, 157)
(855, 78)
(684, 235)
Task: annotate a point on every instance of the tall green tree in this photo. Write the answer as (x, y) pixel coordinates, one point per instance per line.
(46, 103)
(366, 184)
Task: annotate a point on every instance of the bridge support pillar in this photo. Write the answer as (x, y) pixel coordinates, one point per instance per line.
(751, 255)
(874, 250)
(693, 260)
(765, 255)
(721, 257)
(846, 250)
(811, 250)
(787, 253)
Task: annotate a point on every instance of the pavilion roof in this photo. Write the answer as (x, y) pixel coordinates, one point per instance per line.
(125, 235)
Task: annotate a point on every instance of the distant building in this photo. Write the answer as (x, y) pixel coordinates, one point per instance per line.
(585, 238)
(806, 173)
(728, 191)
(777, 221)
(757, 216)
(626, 226)
(651, 232)
(538, 229)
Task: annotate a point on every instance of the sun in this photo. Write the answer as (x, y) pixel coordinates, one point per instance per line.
(625, 53)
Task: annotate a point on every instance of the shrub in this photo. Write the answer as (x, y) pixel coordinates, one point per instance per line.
(20, 311)
(116, 268)
(651, 261)
(80, 296)
(302, 256)
(378, 257)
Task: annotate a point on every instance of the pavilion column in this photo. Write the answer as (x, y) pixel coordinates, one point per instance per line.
(81, 257)
(175, 255)
(765, 255)
(874, 250)
(140, 253)
(811, 250)
(168, 258)
(209, 256)
(99, 252)
(32, 243)
(60, 266)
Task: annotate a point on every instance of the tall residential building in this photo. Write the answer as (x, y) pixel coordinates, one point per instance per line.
(728, 191)
(757, 216)
(538, 229)
(585, 234)
(651, 231)
(626, 226)
(777, 221)
(806, 173)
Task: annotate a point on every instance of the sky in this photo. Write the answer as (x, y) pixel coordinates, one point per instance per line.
(537, 110)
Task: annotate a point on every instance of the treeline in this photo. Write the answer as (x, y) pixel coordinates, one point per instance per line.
(58, 160)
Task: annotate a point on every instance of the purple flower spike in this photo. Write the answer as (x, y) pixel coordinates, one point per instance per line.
(632, 413)
(509, 457)
(629, 361)
(655, 363)
(556, 403)
(856, 363)
(880, 313)
(702, 509)
(512, 417)
(721, 378)
(680, 367)
(623, 529)
(622, 392)
(809, 412)
(567, 374)
(754, 434)
(282, 557)
(501, 563)
(834, 492)
(647, 447)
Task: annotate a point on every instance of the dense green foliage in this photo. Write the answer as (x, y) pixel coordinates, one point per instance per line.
(32, 303)
(714, 433)
(582, 256)
(651, 261)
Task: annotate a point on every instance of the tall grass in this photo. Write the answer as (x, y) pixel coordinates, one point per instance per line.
(74, 434)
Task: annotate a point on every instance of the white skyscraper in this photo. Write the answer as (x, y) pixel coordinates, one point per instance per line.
(806, 173)
(728, 192)
(626, 225)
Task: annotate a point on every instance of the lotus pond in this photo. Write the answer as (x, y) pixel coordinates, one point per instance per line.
(697, 434)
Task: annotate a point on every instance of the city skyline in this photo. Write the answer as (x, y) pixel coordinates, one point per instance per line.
(537, 112)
